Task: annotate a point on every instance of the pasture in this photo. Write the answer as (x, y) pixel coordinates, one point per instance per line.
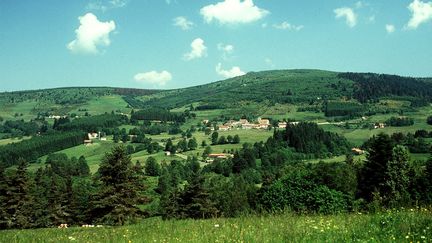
(409, 225)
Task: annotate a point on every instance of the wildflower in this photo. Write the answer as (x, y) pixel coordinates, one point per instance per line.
(423, 237)
(71, 238)
(406, 237)
(216, 225)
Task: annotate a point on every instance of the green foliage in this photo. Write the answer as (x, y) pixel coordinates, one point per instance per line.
(429, 120)
(155, 114)
(372, 175)
(38, 146)
(347, 109)
(308, 138)
(152, 167)
(397, 178)
(295, 191)
(370, 86)
(93, 123)
(400, 121)
(117, 196)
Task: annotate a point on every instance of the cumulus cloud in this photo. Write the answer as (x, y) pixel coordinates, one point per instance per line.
(91, 34)
(287, 26)
(348, 14)
(390, 28)
(233, 12)
(421, 13)
(233, 72)
(198, 50)
(154, 77)
(183, 23)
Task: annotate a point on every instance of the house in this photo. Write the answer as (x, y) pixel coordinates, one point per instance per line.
(224, 128)
(357, 151)
(379, 125)
(205, 121)
(263, 121)
(167, 153)
(294, 123)
(282, 124)
(103, 139)
(220, 156)
(92, 135)
(88, 142)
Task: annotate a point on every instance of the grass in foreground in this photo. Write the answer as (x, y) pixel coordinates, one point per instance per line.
(391, 226)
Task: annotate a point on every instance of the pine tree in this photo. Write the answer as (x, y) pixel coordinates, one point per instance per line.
(372, 175)
(397, 179)
(116, 201)
(152, 168)
(192, 144)
(214, 137)
(19, 200)
(3, 198)
(194, 201)
(82, 166)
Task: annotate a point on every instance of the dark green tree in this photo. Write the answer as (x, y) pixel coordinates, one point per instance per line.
(19, 201)
(152, 167)
(373, 174)
(118, 194)
(192, 144)
(82, 167)
(397, 179)
(214, 137)
(236, 139)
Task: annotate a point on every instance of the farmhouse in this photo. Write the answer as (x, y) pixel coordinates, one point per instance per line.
(92, 135)
(282, 124)
(212, 157)
(88, 142)
(224, 128)
(379, 125)
(357, 151)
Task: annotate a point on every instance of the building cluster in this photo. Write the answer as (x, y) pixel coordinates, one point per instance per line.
(93, 136)
(261, 123)
(245, 124)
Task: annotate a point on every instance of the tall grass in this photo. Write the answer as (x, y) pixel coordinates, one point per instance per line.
(391, 226)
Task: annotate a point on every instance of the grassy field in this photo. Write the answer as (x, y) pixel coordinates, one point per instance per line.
(413, 225)
(12, 140)
(100, 105)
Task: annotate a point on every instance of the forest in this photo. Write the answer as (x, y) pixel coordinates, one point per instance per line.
(65, 192)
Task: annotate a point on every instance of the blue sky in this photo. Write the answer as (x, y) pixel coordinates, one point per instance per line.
(179, 43)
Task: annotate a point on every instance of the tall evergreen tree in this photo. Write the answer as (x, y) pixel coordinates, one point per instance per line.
(397, 179)
(373, 174)
(19, 200)
(3, 198)
(116, 201)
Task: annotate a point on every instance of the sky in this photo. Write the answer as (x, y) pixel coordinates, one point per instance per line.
(165, 44)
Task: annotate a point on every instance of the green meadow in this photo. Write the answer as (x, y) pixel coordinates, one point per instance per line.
(409, 225)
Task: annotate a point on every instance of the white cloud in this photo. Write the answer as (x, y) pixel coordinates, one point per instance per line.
(421, 13)
(154, 77)
(233, 72)
(226, 50)
(183, 23)
(198, 50)
(233, 12)
(390, 28)
(287, 26)
(348, 14)
(90, 34)
(104, 5)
